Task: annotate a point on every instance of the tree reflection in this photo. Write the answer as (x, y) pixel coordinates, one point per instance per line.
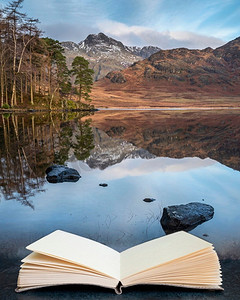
(30, 144)
(64, 139)
(84, 140)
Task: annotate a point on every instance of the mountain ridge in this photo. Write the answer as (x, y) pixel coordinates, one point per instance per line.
(105, 54)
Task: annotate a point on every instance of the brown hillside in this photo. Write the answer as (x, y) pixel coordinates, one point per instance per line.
(178, 76)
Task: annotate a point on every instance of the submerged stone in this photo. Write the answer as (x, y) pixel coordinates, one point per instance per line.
(185, 216)
(60, 173)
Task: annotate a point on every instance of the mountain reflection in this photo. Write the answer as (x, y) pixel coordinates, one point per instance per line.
(29, 144)
(203, 134)
(109, 151)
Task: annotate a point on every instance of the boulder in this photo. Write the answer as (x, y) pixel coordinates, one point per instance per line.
(59, 173)
(185, 216)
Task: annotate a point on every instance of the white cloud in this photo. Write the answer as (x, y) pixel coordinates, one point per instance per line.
(140, 35)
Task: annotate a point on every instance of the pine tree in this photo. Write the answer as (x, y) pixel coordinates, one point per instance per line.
(83, 78)
(58, 73)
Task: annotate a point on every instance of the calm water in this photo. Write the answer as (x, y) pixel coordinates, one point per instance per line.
(175, 157)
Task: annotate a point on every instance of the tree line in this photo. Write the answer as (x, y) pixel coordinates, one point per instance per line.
(33, 70)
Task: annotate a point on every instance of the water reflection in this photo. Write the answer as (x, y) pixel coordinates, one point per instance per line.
(29, 144)
(165, 156)
(213, 134)
(109, 151)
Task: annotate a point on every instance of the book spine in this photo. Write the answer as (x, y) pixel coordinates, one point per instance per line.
(118, 288)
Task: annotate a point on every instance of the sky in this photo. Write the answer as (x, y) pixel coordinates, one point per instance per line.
(163, 23)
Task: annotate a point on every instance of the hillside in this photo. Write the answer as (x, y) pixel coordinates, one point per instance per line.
(169, 75)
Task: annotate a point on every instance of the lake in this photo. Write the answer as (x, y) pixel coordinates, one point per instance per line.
(175, 157)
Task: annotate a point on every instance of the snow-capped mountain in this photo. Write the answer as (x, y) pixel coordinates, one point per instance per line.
(106, 54)
(96, 43)
(70, 46)
(145, 51)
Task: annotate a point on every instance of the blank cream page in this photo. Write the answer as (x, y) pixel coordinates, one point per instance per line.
(159, 251)
(79, 250)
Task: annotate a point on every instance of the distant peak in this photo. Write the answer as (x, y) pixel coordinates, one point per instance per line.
(96, 37)
(208, 49)
(101, 40)
(102, 35)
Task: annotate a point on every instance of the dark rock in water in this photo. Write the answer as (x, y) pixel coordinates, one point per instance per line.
(59, 173)
(103, 184)
(149, 199)
(185, 216)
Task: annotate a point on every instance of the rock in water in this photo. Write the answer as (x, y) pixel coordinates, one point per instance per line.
(149, 199)
(103, 184)
(185, 216)
(59, 173)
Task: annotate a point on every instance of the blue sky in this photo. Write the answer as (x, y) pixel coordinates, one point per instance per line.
(163, 23)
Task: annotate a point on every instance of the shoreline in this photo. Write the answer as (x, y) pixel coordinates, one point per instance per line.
(170, 108)
(31, 110)
(121, 108)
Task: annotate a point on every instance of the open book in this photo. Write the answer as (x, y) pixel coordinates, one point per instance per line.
(179, 259)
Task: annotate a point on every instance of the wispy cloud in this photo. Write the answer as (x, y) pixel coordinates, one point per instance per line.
(165, 23)
(139, 35)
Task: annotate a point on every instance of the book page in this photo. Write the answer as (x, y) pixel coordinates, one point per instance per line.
(79, 250)
(39, 260)
(159, 251)
(32, 278)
